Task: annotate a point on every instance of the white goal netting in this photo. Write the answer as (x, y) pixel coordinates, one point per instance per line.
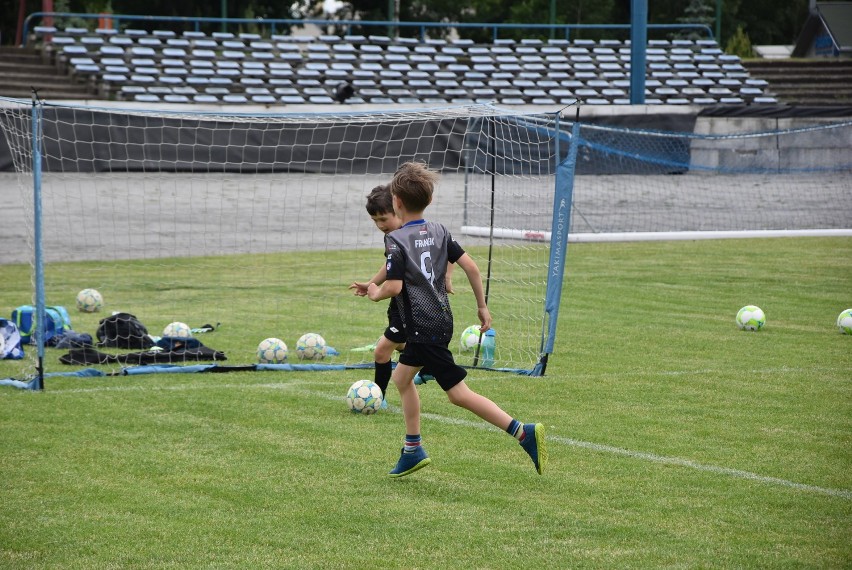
(257, 223)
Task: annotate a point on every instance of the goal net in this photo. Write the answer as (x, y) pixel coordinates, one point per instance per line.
(726, 178)
(255, 224)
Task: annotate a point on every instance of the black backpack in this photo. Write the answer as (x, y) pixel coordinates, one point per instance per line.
(123, 330)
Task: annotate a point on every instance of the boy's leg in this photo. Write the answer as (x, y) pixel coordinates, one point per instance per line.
(413, 456)
(403, 377)
(382, 356)
(530, 436)
(461, 395)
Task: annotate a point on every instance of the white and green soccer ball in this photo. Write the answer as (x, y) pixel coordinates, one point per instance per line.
(311, 346)
(469, 338)
(271, 351)
(89, 300)
(751, 318)
(178, 329)
(364, 397)
(844, 321)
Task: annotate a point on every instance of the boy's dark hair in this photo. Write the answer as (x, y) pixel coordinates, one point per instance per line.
(413, 184)
(380, 201)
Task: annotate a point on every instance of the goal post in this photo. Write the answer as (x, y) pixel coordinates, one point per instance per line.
(255, 223)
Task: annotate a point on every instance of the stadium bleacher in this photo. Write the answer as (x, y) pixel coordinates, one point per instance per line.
(194, 67)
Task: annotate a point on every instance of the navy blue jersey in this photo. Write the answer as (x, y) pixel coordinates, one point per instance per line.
(417, 254)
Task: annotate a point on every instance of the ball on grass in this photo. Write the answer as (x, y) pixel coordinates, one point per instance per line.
(311, 346)
(844, 321)
(271, 351)
(751, 318)
(89, 301)
(364, 397)
(178, 329)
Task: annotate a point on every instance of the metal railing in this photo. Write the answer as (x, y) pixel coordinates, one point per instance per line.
(346, 26)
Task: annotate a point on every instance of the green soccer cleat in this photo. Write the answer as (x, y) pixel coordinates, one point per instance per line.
(533, 444)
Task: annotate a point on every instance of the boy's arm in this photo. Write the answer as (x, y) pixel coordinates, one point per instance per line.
(448, 279)
(470, 269)
(378, 278)
(390, 288)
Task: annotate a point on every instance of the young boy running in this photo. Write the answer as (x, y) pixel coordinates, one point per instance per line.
(380, 209)
(417, 257)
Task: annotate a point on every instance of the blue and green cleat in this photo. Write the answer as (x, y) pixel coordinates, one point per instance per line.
(410, 462)
(421, 378)
(533, 444)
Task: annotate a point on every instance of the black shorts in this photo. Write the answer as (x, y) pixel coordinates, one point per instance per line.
(439, 361)
(395, 331)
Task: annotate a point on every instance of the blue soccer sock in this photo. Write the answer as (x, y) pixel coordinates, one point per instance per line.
(412, 442)
(516, 429)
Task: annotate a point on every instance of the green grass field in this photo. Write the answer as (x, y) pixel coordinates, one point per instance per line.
(675, 440)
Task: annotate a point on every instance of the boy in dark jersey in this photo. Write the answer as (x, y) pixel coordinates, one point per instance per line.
(380, 209)
(417, 257)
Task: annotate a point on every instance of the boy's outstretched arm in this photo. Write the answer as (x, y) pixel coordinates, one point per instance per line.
(388, 289)
(378, 278)
(470, 269)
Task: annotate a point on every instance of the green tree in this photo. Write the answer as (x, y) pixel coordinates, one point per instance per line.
(771, 22)
(697, 12)
(739, 44)
(567, 12)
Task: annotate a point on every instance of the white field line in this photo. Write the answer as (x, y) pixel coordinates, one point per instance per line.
(567, 441)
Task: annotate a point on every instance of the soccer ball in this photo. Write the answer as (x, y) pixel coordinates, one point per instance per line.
(469, 338)
(178, 329)
(272, 351)
(364, 397)
(89, 301)
(844, 321)
(311, 346)
(751, 318)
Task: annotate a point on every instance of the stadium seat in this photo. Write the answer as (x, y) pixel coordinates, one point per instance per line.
(114, 78)
(144, 70)
(146, 98)
(130, 90)
(264, 99)
(44, 30)
(176, 98)
(140, 79)
(135, 51)
(117, 51)
(121, 41)
(92, 41)
(143, 62)
(70, 51)
(235, 98)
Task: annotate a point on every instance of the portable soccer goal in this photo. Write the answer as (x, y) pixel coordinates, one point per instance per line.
(255, 224)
